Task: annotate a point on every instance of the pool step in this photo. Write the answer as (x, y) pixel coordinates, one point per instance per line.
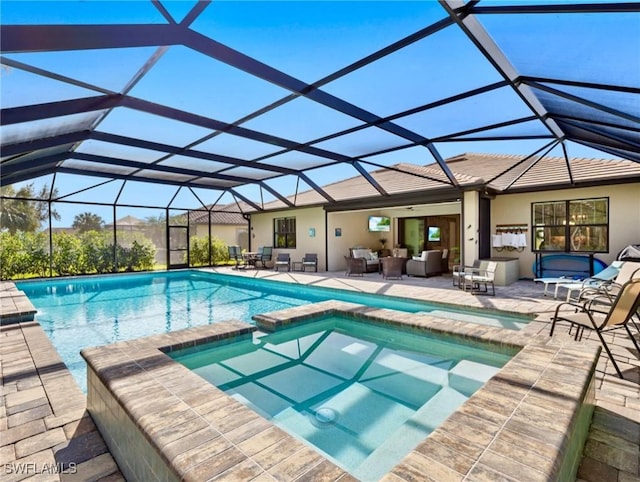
(414, 430)
(467, 376)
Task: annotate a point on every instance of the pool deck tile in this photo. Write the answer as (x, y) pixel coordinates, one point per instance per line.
(29, 364)
(44, 421)
(14, 305)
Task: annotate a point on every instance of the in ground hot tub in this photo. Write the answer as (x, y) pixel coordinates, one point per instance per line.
(162, 421)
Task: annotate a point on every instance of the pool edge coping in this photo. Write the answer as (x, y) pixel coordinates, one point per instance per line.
(545, 382)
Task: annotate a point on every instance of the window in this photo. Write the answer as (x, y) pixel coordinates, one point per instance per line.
(284, 232)
(580, 225)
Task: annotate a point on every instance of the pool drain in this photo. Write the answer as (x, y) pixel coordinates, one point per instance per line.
(325, 416)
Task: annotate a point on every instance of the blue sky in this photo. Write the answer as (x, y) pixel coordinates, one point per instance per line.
(309, 40)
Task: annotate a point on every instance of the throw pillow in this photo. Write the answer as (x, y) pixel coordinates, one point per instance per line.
(374, 255)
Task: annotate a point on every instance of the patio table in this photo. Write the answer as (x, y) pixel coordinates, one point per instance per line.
(250, 258)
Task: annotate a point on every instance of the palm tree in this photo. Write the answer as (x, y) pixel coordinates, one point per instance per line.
(87, 222)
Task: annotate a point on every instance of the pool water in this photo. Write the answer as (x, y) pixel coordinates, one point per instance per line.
(363, 395)
(81, 312)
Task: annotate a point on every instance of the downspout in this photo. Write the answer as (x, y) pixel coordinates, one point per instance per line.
(461, 235)
(326, 240)
(247, 218)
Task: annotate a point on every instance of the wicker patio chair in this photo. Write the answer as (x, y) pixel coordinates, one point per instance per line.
(392, 267)
(355, 266)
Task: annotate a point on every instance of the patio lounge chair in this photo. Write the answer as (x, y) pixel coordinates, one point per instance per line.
(310, 260)
(282, 260)
(624, 307)
(610, 288)
(596, 281)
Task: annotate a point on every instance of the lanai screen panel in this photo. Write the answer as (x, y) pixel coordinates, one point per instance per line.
(229, 95)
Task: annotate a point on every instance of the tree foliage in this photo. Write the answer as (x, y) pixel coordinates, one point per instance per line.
(24, 209)
(87, 221)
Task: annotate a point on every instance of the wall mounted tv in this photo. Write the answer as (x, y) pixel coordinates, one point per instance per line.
(433, 233)
(379, 223)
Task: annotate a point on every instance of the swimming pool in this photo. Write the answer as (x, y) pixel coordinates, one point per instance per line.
(364, 395)
(80, 312)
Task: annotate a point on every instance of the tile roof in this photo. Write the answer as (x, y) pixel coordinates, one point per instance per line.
(535, 172)
(503, 173)
(227, 214)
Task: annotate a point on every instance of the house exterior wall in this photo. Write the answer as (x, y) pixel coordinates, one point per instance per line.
(354, 232)
(351, 225)
(624, 225)
(624, 217)
(261, 233)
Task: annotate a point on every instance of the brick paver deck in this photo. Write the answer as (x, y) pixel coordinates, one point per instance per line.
(45, 428)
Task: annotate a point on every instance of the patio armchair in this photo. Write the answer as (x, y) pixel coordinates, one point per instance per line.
(429, 263)
(477, 280)
(457, 275)
(590, 315)
(355, 266)
(264, 255)
(235, 254)
(392, 267)
(445, 261)
(370, 258)
(310, 260)
(282, 260)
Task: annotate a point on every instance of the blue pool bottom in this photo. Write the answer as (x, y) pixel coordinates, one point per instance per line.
(98, 310)
(364, 395)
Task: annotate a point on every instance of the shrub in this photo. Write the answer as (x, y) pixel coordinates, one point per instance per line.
(67, 254)
(23, 254)
(36, 245)
(97, 253)
(12, 255)
(140, 256)
(199, 251)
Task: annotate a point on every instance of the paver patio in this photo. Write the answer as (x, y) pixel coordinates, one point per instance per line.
(44, 424)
